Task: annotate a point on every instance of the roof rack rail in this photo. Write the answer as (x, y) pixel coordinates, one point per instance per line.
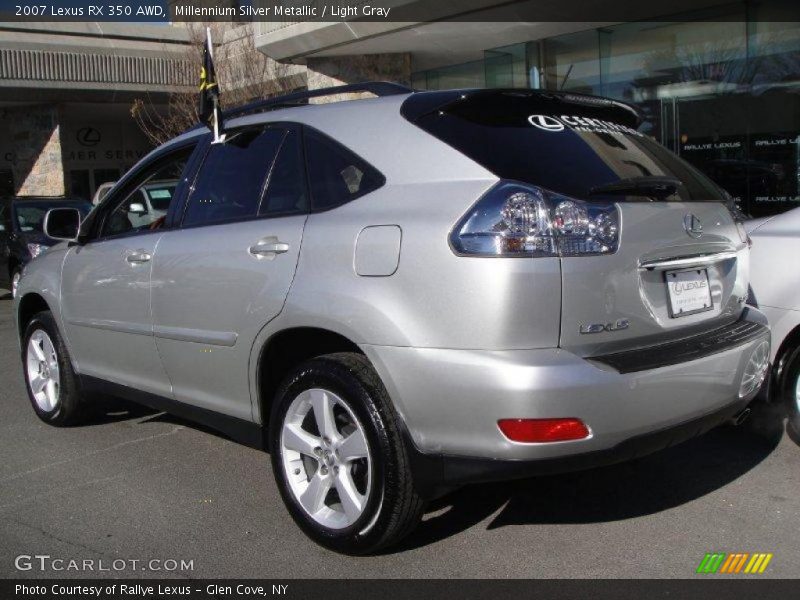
(379, 88)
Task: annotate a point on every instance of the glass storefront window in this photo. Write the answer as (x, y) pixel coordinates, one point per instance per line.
(466, 75)
(720, 88)
(571, 63)
(772, 172)
(507, 66)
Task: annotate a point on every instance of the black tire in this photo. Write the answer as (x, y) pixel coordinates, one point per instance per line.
(393, 507)
(788, 390)
(68, 409)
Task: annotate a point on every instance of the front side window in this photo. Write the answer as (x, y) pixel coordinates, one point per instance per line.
(337, 176)
(159, 195)
(231, 180)
(144, 206)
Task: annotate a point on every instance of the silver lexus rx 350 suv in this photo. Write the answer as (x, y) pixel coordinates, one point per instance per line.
(400, 295)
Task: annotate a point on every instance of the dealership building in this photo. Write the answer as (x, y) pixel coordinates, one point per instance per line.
(718, 85)
(66, 91)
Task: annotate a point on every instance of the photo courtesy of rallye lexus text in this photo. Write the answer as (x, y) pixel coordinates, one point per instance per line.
(401, 295)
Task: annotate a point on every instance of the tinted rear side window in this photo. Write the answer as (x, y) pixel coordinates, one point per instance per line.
(336, 175)
(286, 190)
(231, 180)
(565, 146)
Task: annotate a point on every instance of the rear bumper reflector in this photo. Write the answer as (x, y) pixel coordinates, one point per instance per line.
(537, 431)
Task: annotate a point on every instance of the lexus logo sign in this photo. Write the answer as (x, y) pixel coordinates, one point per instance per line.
(546, 122)
(88, 136)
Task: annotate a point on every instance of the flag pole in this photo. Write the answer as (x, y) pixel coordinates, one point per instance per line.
(215, 114)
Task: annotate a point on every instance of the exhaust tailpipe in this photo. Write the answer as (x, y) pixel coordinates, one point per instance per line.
(741, 417)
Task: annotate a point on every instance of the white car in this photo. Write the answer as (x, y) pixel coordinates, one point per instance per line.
(102, 191)
(149, 205)
(775, 290)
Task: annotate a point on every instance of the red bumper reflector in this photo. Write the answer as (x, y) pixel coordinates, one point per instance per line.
(543, 430)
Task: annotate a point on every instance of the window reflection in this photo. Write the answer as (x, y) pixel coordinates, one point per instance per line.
(721, 89)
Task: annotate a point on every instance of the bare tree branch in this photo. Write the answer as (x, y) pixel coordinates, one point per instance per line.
(244, 75)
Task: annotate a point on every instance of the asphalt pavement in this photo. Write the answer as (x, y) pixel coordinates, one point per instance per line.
(138, 486)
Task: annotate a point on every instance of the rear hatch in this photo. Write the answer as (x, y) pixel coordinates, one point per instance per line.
(680, 265)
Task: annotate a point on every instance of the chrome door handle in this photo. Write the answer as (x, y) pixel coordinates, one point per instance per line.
(268, 248)
(139, 257)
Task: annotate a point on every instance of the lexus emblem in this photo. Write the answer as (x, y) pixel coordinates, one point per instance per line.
(546, 122)
(692, 225)
(88, 136)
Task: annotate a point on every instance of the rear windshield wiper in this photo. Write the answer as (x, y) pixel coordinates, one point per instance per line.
(651, 186)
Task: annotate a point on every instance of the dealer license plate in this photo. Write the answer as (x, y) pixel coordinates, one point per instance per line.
(689, 292)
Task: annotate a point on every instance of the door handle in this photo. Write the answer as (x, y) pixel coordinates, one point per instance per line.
(138, 257)
(268, 247)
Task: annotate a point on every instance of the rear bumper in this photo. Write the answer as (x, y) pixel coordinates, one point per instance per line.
(441, 472)
(451, 400)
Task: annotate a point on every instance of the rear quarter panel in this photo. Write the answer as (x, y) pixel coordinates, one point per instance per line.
(434, 298)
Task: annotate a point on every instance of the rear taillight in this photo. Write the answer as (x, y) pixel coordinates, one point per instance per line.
(514, 219)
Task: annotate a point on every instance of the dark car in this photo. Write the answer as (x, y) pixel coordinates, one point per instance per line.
(21, 232)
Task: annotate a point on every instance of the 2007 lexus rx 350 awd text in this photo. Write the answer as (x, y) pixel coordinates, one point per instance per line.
(401, 295)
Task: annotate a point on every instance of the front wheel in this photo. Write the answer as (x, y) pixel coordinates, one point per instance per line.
(51, 383)
(338, 456)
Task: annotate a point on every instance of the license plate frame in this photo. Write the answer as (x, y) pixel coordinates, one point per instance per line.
(699, 275)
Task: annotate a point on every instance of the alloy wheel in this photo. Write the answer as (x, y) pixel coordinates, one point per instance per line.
(44, 377)
(326, 458)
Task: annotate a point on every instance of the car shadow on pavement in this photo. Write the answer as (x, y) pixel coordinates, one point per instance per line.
(647, 485)
(644, 486)
(163, 417)
(109, 409)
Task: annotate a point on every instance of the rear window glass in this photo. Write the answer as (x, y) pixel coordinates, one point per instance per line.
(337, 176)
(565, 146)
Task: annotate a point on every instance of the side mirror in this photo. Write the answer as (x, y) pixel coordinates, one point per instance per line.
(137, 208)
(62, 223)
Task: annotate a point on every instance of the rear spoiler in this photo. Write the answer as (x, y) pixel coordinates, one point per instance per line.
(420, 104)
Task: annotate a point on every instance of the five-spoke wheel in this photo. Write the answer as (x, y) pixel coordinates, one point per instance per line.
(52, 384)
(339, 459)
(326, 458)
(43, 373)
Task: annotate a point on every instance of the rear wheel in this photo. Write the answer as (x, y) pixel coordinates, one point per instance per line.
(338, 456)
(51, 383)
